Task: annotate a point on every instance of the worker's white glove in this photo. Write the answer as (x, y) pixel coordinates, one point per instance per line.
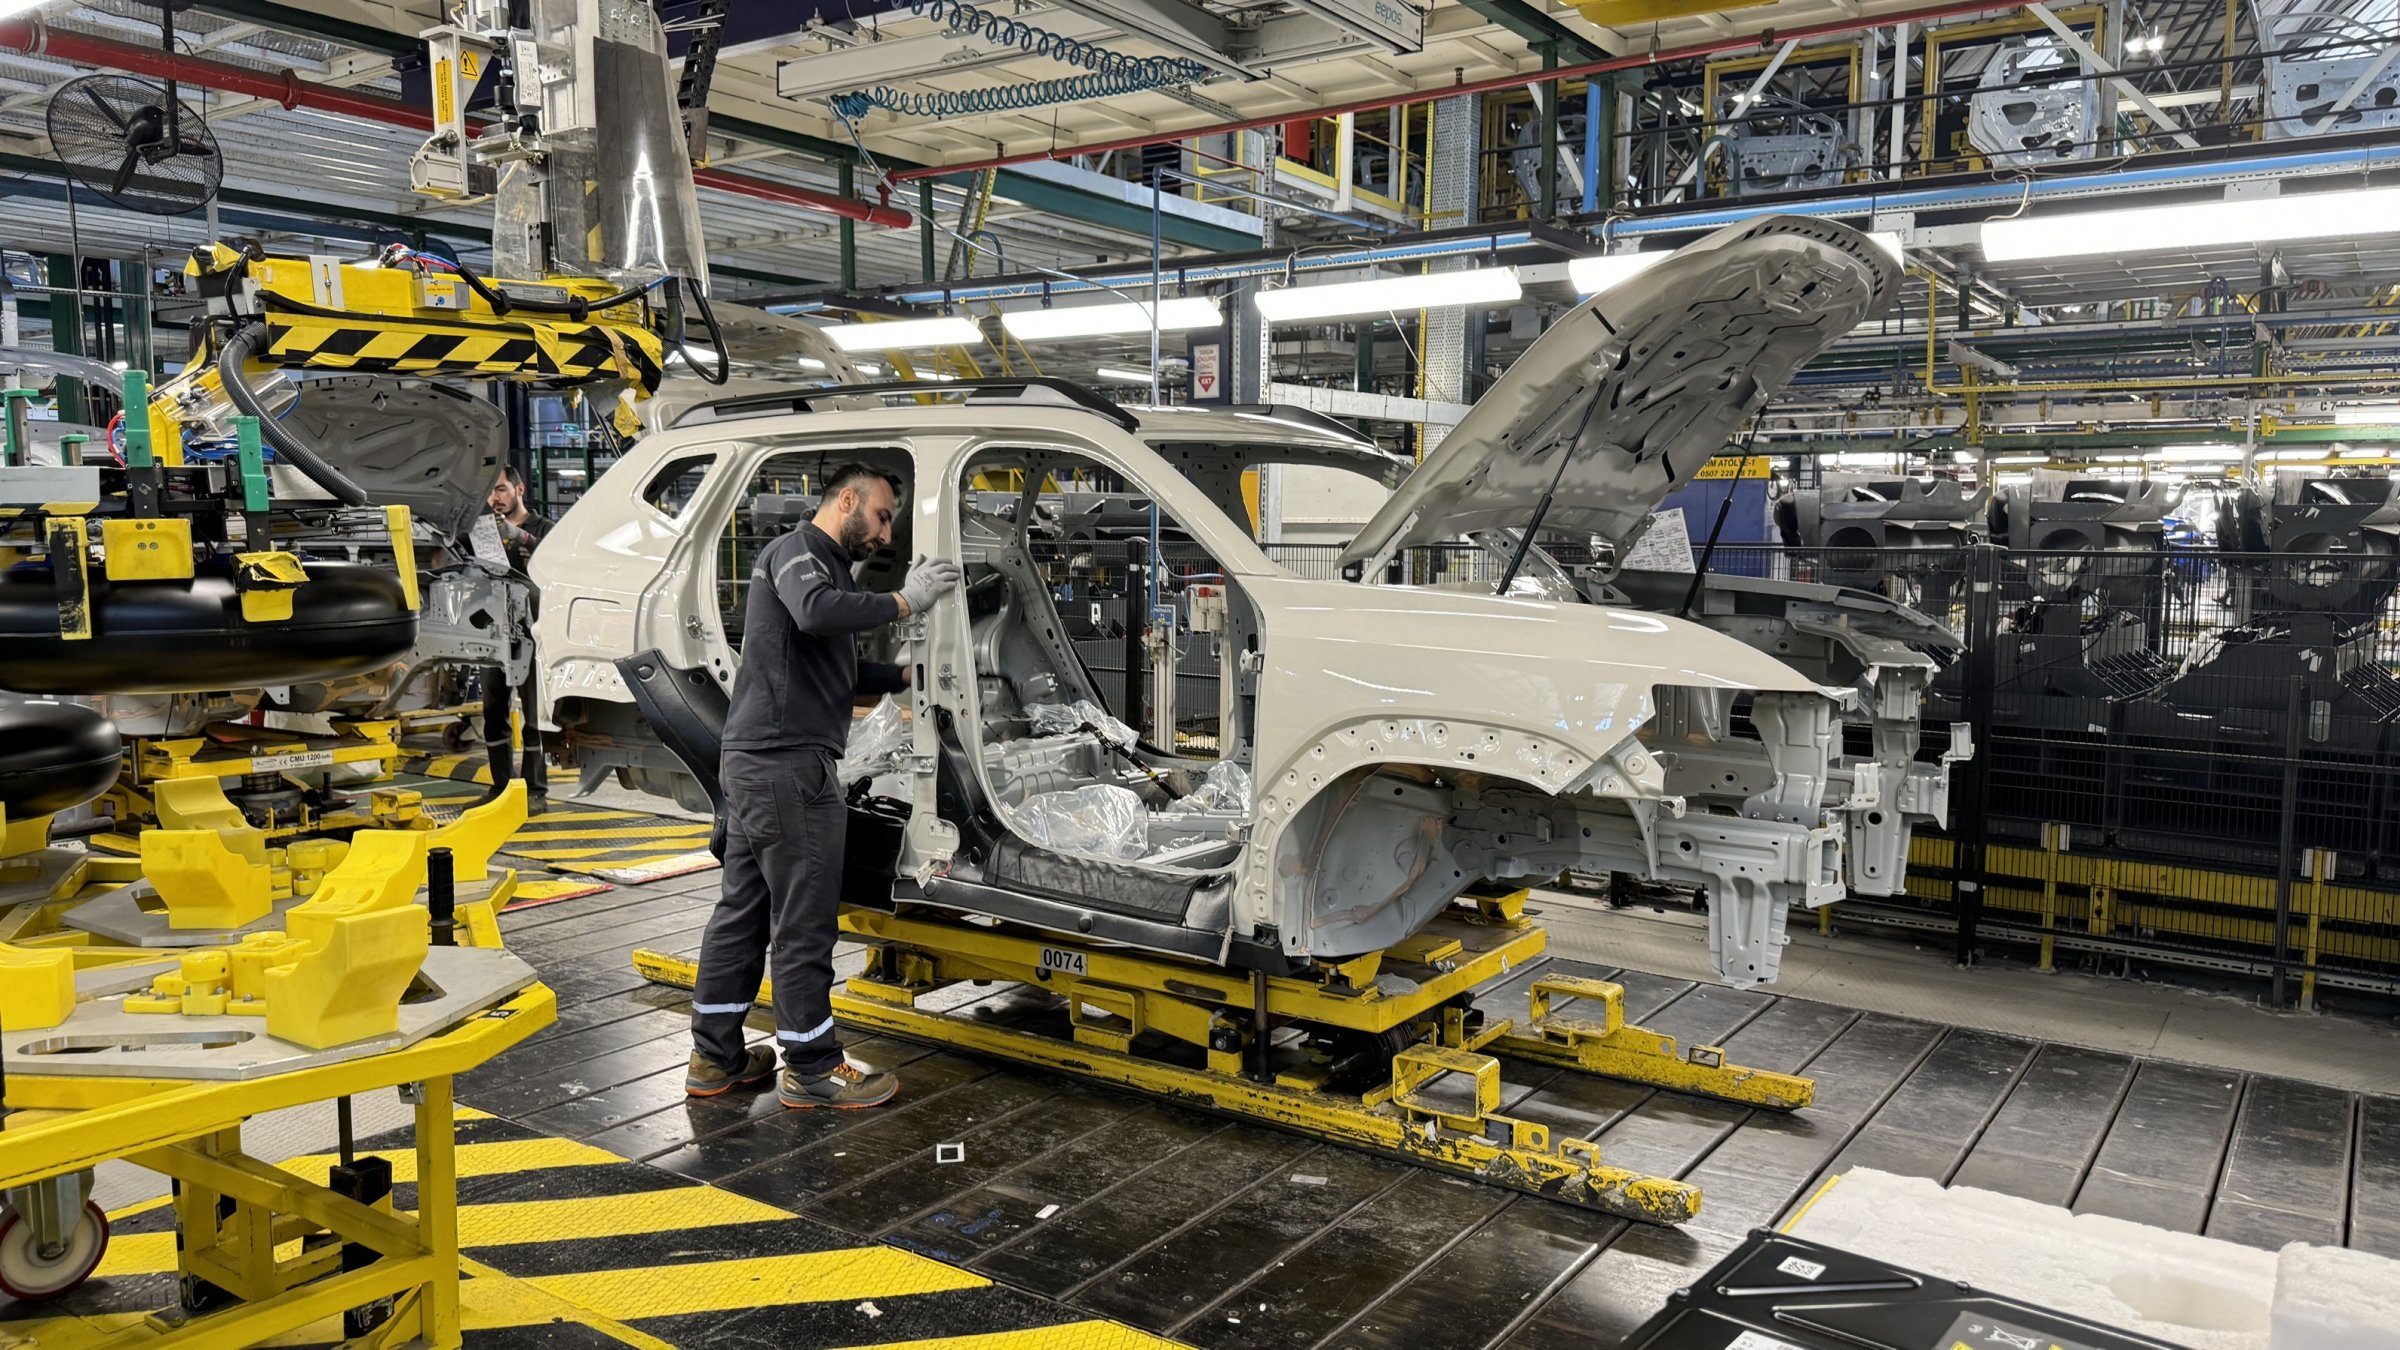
(928, 581)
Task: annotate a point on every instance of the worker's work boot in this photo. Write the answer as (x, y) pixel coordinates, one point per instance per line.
(848, 1087)
(706, 1079)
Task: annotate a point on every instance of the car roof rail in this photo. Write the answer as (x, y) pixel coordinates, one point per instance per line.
(1307, 417)
(1044, 391)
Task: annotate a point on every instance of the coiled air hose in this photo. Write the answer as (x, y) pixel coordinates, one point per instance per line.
(1112, 73)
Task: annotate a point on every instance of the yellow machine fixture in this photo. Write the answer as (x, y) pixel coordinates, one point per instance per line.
(408, 314)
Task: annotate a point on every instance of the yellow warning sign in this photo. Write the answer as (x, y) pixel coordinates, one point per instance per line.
(1725, 466)
(469, 64)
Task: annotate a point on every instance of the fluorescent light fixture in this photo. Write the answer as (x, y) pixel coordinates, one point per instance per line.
(868, 369)
(1879, 459)
(2195, 454)
(1052, 325)
(1124, 375)
(2016, 479)
(2376, 453)
(2368, 415)
(2294, 454)
(2211, 224)
(812, 363)
(1594, 275)
(2120, 459)
(948, 331)
(1391, 295)
(2020, 459)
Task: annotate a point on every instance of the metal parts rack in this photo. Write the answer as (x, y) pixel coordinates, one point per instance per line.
(1386, 1052)
(234, 1211)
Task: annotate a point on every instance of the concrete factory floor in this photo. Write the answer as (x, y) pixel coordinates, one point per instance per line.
(611, 1209)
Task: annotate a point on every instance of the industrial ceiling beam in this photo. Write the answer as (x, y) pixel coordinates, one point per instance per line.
(1084, 206)
(1633, 61)
(33, 38)
(286, 214)
(1537, 28)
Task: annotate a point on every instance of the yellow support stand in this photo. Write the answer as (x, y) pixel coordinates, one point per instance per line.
(37, 988)
(1114, 1001)
(364, 938)
(243, 1223)
(154, 549)
(199, 804)
(20, 837)
(1606, 1045)
(205, 879)
(479, 831)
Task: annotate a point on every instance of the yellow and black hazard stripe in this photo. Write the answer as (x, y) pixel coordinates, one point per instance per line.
(586, 1248)
(563, 352)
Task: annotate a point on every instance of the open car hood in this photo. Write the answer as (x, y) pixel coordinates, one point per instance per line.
(1640, 385)
(431, 448)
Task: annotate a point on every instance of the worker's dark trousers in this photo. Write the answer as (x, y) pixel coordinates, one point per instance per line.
(784, 831)
(492, 683)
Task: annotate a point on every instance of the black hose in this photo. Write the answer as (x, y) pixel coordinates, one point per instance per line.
(716, 335)
(502, 302)
(289, 441)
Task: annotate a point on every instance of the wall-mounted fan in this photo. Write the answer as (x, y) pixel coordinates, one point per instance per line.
(134, 143)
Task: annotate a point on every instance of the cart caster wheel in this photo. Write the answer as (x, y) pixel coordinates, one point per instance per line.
(26, 1274)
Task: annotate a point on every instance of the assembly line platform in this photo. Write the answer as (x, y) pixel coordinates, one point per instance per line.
(999, 1208)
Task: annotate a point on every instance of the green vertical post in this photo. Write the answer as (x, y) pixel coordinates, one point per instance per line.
(140, 346)
(253, 462)
(849, 233)
(12, 443)
(66, 335)
(1363, 378)
(137, 419)
(70, 447)
(925, 226)
(1549, 134)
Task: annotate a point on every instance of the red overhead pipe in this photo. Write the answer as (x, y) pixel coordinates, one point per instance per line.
(1715, 46)
(32, 38)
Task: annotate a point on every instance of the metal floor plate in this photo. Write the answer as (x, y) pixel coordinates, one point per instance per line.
(1230, 1235)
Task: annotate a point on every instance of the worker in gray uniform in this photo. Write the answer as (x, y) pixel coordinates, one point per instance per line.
(784, 814)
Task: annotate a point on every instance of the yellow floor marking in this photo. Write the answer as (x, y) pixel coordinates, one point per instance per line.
(1094, 1335)
(599, 857)
(533, 836)
(521, 1221)
(490, 1301)
(70, 1333)
(757, 1282)
(474, 1160)
(597, 1216)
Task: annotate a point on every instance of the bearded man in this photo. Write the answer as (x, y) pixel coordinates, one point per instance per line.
(784, 815)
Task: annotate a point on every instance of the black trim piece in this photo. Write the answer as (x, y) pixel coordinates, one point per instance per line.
(686, 708)
(804, 400)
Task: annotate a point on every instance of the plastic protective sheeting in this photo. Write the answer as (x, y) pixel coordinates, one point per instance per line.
(1057, 719)
(876, 743)
(1101, 821)
(1227, 788)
